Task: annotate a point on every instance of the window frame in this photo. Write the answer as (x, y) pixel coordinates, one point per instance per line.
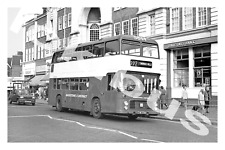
(182, 76)
(152, 24)
(115, 24)
(203, 67)
(69, 19)
(184, 16)
(128, 27)
(197, 17)
(171, 20)
(132, 28)
(94, 31)
(60, 24)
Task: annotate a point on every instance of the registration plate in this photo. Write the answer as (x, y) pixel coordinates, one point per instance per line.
(141, 105)
(27, 101)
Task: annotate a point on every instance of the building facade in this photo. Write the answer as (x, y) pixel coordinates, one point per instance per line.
(187, 39)
(192, 50)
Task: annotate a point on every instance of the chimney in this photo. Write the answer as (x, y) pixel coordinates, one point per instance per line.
(44, 10)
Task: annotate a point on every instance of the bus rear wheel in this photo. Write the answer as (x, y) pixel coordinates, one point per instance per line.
(96, 109)
(132, 117)
(59, 103)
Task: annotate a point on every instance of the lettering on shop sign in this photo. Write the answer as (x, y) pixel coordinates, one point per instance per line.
(180, 44)
(76, 95)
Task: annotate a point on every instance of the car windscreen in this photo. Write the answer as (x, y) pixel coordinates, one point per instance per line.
(23, 92)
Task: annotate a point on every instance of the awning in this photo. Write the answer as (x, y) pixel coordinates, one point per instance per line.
(45, 78)
(37, 81)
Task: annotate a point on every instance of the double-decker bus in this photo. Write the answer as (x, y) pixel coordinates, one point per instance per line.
(83, 82)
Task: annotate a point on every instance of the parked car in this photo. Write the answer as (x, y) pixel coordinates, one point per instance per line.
(22, 96)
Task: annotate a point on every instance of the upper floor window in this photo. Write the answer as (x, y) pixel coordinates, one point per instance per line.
(117, 28)
(40, 31)
(175, 19)
(202, 16)
(69, 19)
(65, 21)
(134, 26)
(60, 23)
(126, 27)
(94, 32)
(188, 18)
(152, 24)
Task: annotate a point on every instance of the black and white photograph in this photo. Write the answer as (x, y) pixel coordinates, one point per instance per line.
(104, 74)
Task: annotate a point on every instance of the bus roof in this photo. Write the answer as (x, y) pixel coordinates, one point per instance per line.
(127, 37)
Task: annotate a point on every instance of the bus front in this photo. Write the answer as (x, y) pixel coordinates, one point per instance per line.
(136, 78)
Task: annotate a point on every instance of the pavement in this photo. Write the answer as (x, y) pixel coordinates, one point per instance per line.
(180, 114)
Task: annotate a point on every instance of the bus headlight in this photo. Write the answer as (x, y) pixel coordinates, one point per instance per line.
(125, 103)
(125, 107)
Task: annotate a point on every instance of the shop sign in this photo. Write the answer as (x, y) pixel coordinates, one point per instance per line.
(181, 44)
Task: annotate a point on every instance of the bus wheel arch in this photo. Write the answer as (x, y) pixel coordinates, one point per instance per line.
(59, 103)
(96, 108)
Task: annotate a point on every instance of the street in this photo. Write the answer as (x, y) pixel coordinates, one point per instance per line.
(42, 123)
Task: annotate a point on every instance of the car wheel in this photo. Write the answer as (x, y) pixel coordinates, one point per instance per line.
(96, 109)
(59, 103)
(33, 104)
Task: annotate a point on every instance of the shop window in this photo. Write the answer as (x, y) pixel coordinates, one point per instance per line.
(202, 66)
(181, 64)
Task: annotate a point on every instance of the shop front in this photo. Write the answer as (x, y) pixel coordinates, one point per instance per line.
(192, 63)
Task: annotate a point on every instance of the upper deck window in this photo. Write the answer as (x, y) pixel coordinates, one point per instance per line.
(139, 49)
(112, 48)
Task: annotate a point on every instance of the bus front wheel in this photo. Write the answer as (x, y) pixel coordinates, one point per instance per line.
(96, 109)
(59, 103)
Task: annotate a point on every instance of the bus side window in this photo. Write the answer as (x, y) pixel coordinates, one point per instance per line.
(89, 49)
(98, 50)
(110, 77)
(112, 48)
(83, 84)
(58, 85)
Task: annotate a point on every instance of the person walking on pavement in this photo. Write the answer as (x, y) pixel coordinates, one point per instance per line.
(163, 97)
(184, 96)
(201, 101)
(207, 97)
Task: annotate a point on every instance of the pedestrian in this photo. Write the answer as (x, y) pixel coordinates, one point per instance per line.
(201, 101)
(207, 97)
(163, 97)
(184, 96)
